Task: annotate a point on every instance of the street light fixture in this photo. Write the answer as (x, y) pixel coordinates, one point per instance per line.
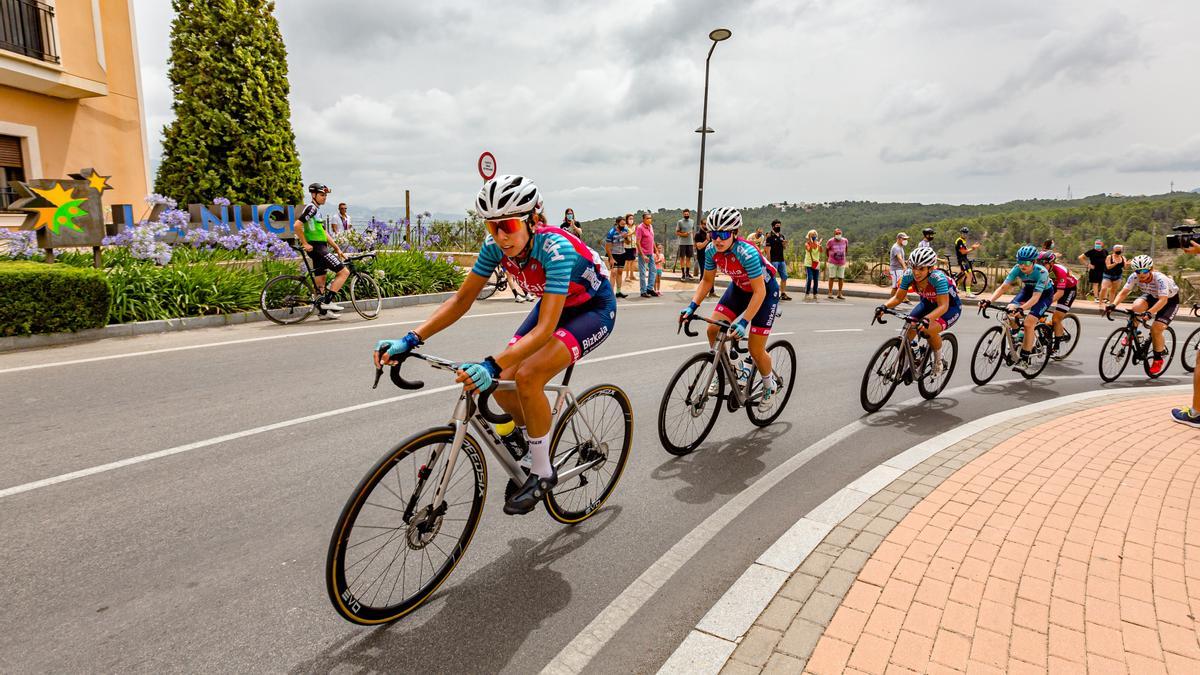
(717, 35)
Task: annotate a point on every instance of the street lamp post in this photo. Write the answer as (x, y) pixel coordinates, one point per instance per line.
(717, 35)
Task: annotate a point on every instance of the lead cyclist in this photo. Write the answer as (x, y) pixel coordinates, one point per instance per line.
(575, 312)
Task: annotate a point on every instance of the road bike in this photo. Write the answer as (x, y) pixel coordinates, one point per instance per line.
(1002, 344)
(978, 278)
(1063, 347)
(1133, 342)
(410, 519)
(900, 359)
(690, 405)
(292, 298)
(499, 282)
(1191, 345)
(881, 275)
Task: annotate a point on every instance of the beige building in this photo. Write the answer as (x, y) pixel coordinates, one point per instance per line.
(70, 96)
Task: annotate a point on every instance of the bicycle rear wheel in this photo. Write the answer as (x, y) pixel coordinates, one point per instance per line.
(1114, 356)
(989, 352)
(688, 412)
(390, 549)
(783, 365)
(287, 299)
(597, 432)
(365, 295)
(1190, 346)
(1070, 324)
(881, 274)
(1043, 340)
(930, 386)
(489, 288)
(979, 282)
(1169, 345)
(879, 380)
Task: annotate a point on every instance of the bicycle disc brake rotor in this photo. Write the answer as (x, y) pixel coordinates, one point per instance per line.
(424, 526)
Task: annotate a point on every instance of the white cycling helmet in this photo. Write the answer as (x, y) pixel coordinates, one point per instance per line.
(724, 218)
(922, 257)
(1141, 262)
(507, 197)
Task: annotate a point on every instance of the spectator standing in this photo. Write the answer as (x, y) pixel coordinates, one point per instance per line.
(660, 262)
(614, 247)
(758, 239)
(570, 225)
(835, 263)
(630, 246)
(898, 259)
(342, 222)
(685, 228)
(1114, 267)
(812, 266)
(1094, 258)
(700, 238)
(644, 236)
(926, 238)
(1190, 415)
(777, 247)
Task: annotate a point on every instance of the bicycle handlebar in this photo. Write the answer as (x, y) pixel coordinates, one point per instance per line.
(905, 317)
(686, 327)
(481, 402)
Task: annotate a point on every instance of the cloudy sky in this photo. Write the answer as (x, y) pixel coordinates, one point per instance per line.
(911, 100)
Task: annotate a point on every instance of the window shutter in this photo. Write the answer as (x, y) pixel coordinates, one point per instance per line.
(10, 152)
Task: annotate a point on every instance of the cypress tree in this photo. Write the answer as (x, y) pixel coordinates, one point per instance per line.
(232, 133)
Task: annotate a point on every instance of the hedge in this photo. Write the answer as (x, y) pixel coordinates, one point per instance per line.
(40, 298)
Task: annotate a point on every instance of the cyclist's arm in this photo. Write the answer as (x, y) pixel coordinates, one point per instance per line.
(453, 308)
(298, 228)
(943, 306)
(898, 297)
(705, 285)
(1122, 294)
(549, 312)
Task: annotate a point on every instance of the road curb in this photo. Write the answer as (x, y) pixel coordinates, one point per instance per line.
(844, 531)
(20, 342)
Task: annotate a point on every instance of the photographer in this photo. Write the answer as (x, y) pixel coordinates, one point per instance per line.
(1190, 415)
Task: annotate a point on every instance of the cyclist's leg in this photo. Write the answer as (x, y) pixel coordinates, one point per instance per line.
(760, 328)
(1162, 319)
(508, 400)
(1141, 305)
(1034, 316)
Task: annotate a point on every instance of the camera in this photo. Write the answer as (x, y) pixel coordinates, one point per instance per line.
(1186, 237)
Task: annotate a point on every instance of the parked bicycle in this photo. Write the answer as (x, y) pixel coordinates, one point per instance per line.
(1002, 344)
(409, 521)
(903, 360)
(690, 405)
(1191, 345)
(1132, 342)
(978, 278)
(292, 298)
(499, 282)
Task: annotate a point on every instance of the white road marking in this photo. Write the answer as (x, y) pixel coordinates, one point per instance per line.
(587, 644)
(840, 330)
(284, 336)
(196, 445)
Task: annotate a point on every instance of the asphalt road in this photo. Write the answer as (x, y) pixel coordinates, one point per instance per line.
(210, 556)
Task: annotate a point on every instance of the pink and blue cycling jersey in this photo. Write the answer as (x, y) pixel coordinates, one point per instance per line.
(742, 262)
(937, 283)
(558, 264)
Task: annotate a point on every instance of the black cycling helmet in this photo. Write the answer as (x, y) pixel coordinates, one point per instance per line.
(319, 187)
(965, 230)
(928, 232)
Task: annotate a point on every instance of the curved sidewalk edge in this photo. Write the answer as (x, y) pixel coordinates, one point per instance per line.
(1055, 535)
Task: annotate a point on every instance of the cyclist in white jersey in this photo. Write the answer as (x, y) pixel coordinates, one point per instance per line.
(1160, 297)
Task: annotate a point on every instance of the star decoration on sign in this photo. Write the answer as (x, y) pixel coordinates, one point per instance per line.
(64, 212)
(95, 181)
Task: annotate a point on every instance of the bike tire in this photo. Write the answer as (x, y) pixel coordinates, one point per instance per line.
(1191, 345)
(882, 275)
(931, 388)
(287, 299)
(979, 282)
(1169, 343)
(783, 365)
(577, 499)
(1119, 354)
(682, 444)
(365, 295)
(1071, 327)
(873, 400)
(1040, 358)
(351, 602)
(991, 346)
(489, 288)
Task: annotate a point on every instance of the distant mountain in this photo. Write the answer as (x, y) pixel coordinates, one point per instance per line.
(1197, 190)
(364, 213)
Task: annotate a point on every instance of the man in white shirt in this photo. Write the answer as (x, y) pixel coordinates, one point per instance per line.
(342, 222)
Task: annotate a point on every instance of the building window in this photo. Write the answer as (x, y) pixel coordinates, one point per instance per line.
(12, 169)
(27, 28)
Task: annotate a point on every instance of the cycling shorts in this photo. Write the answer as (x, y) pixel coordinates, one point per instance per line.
(1068, 298)
(1167, 313)
(581, 328)
(324, 259)
(1043, 303)
(735, 301)
(964, 263)
(946, 320)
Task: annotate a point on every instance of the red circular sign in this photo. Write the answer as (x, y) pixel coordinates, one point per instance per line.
(487, 166)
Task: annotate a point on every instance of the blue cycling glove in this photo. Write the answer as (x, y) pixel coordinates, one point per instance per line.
(685, 314)
(741, 327)
(482, 374)
(402, 346)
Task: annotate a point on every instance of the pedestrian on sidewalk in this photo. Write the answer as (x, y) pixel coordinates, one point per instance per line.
(614, 247)
(700, 239)
(1094, 258)
(1114, 268)
(684, 229)
(777, 245)
(898, 260)
(660, 262)
(835, 263)
(1191, 414)
(812, 266)
(644, 238)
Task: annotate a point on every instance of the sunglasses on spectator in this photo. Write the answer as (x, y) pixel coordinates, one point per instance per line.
(505, 225)
(721, 234)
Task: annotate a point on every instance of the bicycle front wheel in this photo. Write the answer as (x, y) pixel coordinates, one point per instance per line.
(783, 365)
(595, 435)
(931, 386)
(287, 299)
(1042, 344)
(391, 549)
(979, 282)
(1169, 345)
(1114, 356)
(880, 378)
(688, 410)
(988, 354)
(1190, 346)
(365, 295)
(1070, 324)
(881, 274)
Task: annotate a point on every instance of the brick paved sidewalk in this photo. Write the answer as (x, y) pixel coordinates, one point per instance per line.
(1063, 542)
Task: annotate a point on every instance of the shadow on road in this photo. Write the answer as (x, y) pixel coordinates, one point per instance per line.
(484, 621)
(724, 468)
(927, 416)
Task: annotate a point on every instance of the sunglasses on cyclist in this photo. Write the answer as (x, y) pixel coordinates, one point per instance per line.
(1142, 271)
(505, 225)
(721, 234)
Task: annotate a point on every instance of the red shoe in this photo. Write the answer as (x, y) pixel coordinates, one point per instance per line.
(1156, 366)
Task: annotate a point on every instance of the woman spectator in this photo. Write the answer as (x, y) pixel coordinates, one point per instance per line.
(812, 266)
(1094, 259)
(1114, 267)
(570, 225)
(614, 247)
(630, 248)
(659, 261)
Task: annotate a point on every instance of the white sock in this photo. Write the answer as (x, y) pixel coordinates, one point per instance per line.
(937, 354)
(769, 380)
(540, 449)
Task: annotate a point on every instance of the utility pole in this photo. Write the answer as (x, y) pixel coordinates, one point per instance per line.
(407, 217)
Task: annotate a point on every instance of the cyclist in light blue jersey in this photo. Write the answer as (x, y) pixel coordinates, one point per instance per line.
(575, 313)
(939, 306)
(1034, 298)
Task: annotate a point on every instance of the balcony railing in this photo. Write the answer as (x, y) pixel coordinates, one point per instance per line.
(27, 28)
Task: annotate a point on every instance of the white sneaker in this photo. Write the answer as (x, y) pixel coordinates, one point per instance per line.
(714, 388)
(329, 316)
(769, 391)
(330, 306)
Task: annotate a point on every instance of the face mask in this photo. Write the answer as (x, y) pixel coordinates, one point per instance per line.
(1099, 246)
(776, 228)
(570, 216)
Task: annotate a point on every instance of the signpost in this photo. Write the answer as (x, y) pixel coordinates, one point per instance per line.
(487, 166)
(64, 213)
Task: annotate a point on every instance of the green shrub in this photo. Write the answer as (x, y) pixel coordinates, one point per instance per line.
(412, 272)
(143, 291)
(41, 298)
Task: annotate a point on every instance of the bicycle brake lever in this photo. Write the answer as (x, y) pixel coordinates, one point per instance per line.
(379, 367)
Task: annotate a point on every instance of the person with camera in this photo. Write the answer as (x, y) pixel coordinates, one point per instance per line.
(1190, 415)
(1160, 298)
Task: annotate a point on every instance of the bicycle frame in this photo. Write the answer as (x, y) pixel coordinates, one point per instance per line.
(907, 360)
(723, 361)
